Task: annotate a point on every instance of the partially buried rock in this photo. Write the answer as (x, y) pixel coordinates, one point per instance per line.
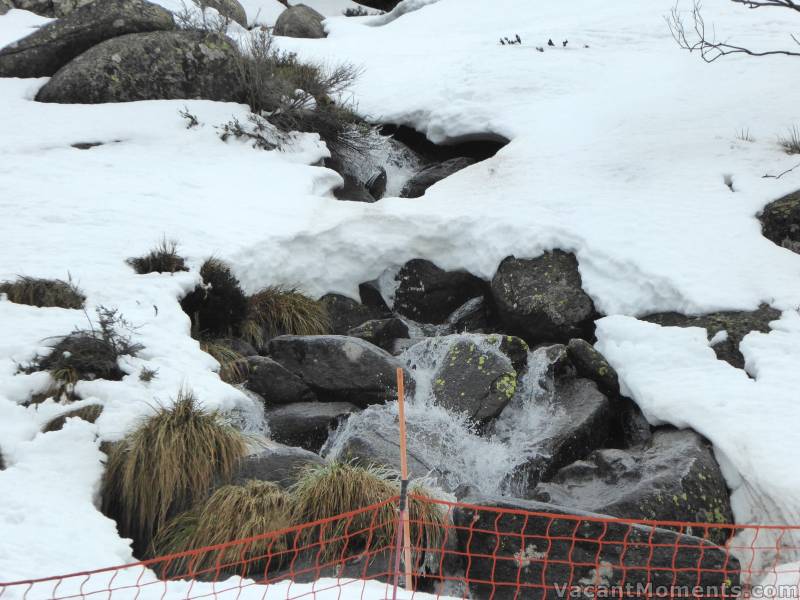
(276, 462)
(780, 221)
(591, 364)
(419, 183)
(541, 299)
(339, 368)
(673, 478)
(230, 9)
(160, 65)
(381, 332)
(307, 424)
(52, 46)
(89, 413)
(473, 316)
(346, 313)
(429, 294)
(300, 21)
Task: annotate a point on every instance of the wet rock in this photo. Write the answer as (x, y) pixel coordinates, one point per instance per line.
(673, 478)
(780, 221)
(589, 363)
(524, 551)
(276, 462)
(159, 65)
(52, 46)
(541, 299)
(339, 368)
(381, 332)
(89, 413)
(346, 313)
(736, 324)
(274, 383)
(473, 316)
(230, 9)
(307, 424)
(429, 294)
(419, 183)
(300, 21)
(353, 190)
(377, 183)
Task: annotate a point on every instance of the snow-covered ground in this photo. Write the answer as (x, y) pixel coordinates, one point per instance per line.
(620, 146)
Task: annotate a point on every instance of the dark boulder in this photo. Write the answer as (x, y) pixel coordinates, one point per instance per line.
(673, 478)
(381, 332)
(376, 184)
(50, 47)
(370, 294)
(589, 363)
(339, 368)
(353, 190)
(541, 299)
(300, 21)
(736, 324)
(429, 294)
(420, 182)
(346, 313)
(306, 424)
(780, 221)
(474, 316)
(274, 383)
(386, 5)
(160, 65)
(530, 549)
(276, 462)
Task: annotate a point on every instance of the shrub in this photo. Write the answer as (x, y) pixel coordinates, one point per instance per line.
(163, 258)
(277, 310)
(146, 375)
(88, 413)
(43, 292)
(232, 512)
(219, 307)
(233, 366)
(168, 464)
(791, 142)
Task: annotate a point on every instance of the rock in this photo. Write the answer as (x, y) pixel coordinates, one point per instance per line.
(345, 313)
(300, 21)
(429, 294)
(2, 460)
(736, 324)
(230, 9)
(5, 6)
(532, 550)
(377, 183)
(306, 424)
(49, 8)
(339, 368)
(589, 363)
(673, 478)
(49, 48)
(419, 183)
(780, 221)
(381, 332)
(89, 413)
(239, 346)
(275, 383)
(473, 316)
(353, 190)
(541, 299)
(579, 421)
(370, 294)
(277, 463)
(160, 65)
(386, 5)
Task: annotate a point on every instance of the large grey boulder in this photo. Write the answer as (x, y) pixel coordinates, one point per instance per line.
(346, 313)
(673, 478)
(541, 299)
(735, 324)
(429, 294)
(420, 182)
(52, 46)
(306, 424)
(49, 8)
(300, 21)
(276, 462)
(230, 9)
(274, 383)
(529, 548)
(339, 368)
(160, 65)
(780, 221)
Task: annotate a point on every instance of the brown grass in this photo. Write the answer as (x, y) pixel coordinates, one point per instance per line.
(278, 310)
(164, 258)
(233, 366)
(43, 292)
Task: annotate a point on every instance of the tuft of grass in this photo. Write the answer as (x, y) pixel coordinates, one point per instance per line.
(164, 258)
(168, 464)
(791, 141)
(743, 135)
(233, 366)
(277, 310)
(43, 292)
(88, 413)
(219, 306)
(146, 375)
(232, 512)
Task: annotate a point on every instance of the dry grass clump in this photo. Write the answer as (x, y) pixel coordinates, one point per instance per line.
(164, 258)
(233, 366)
(169, 463)
(277, 311)
(232, 512)
(218, 307)
(43, 292)
(791, 141)
(89, 413)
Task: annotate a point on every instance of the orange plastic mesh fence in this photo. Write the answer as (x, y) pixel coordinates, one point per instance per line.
(467, 551)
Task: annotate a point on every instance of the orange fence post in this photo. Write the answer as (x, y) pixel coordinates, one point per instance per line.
(403, 529)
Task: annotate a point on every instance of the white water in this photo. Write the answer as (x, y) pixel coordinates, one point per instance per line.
(447, 441)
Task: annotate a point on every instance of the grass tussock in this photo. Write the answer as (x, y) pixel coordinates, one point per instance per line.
(219, 306)
(232, 512)
(233, 366)
(791, 141)
(168, 464)
(164, 258)
(277, 310)
(89, 413)
(43, 292)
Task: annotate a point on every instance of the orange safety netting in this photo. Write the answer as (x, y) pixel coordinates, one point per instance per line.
(492, 552)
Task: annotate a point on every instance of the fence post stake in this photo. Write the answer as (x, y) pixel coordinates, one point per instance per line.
(403, 529)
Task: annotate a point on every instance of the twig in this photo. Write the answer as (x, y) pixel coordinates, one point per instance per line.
(768, 176)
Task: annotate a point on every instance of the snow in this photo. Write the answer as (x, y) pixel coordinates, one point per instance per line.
(262, 12)
(619, 152)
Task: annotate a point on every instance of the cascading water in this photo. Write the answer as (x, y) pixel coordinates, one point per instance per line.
(447, 443)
